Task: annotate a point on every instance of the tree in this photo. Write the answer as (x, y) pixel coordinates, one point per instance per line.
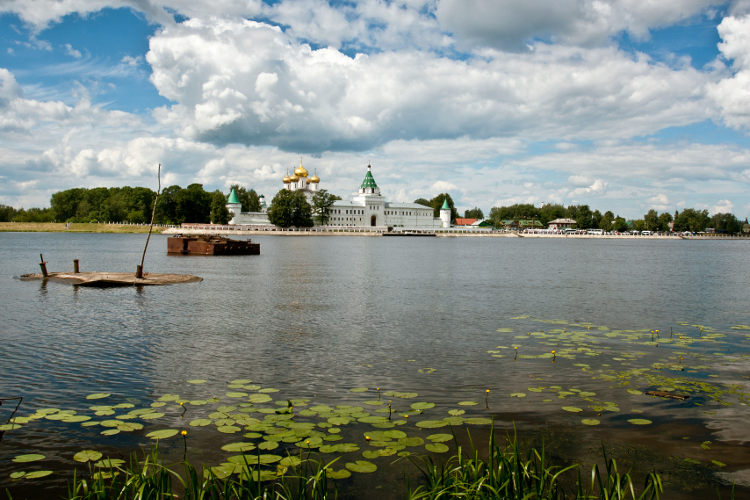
(437, 203)
(322, 201)
(551, 212)
(193, 204)
(474, 213)
(249, 199)
(726, 224)
(166, 206)
(664, 220)
(422, 201)
(290, 208)
(651, 220)
(219, 212)
(691, 220)
(620, 224)
(606, 223)
(7, 213)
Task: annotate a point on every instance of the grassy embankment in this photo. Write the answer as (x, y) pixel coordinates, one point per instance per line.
(61, 227)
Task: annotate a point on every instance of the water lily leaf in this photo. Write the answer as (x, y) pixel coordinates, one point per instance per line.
(9, 427)
(99, 395)
(228, 429)
(456, 413)
(411, 441)
(478, 421)
(152, 416)
(236, 394)
(440, 438)
(361, 466)
(130, 426)
(358, 389)
(337, 474)
(76, 418)
(196, 381)
(572, 409)
(436, 447)
(431, 424)
(38, 474)
(238, 447)
(467, 403)
(162, 434)
(18, 474)
(517, 394)
(267, 445)
(421, 405)
(87, 456)
(240, 381)
(260, 398)
(639, 421)
(110, 432)
(31, 457)
(109, 463)
(268, 390)
(200, 422)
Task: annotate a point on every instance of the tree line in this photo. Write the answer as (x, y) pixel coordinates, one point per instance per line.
(134, 205)
(290, 208)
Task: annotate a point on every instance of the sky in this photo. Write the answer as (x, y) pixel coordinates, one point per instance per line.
(624, 105)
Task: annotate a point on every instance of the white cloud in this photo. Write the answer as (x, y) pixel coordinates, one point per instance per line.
(248, 82)
(732, 94)
(660, 202)
(512, 24)
(72, 52)
(723, 207)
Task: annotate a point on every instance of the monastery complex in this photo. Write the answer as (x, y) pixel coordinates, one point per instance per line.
(367, 207)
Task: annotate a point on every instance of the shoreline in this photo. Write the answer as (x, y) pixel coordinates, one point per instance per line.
(226, 230)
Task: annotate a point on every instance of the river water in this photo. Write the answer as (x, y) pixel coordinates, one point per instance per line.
(446, 318)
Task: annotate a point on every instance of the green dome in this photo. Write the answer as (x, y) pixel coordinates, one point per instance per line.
(233, 199)
(369, 181)
(445, 204)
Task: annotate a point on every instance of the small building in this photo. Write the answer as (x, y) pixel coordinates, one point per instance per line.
(521, 224)
(561, 224)
(465, 221)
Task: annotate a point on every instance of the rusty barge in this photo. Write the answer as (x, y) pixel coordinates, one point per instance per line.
(210, 245)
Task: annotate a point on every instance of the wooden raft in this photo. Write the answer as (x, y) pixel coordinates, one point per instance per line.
(107, 279)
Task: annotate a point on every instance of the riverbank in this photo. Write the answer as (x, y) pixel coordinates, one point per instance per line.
(76, 227)
(236, 230)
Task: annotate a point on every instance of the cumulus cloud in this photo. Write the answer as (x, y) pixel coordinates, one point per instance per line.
(732, 94)
(723, 207)
(239, 81)
(515, 24)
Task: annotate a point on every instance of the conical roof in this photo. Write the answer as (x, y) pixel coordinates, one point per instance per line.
(445, 204)
(233, 198)
(369, 181)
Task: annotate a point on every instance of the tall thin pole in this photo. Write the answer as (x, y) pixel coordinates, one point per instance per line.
(139, 270)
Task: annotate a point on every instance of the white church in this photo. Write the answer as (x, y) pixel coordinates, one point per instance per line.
(367, 207)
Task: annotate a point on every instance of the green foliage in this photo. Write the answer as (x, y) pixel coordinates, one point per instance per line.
(423, 201)
(691, 220)
(474, 213)
(726, 224)
(249, 199)
(322, 201)
(30, 215)
(437, 202)
(509, 473)
(219, 212)
(290, 208)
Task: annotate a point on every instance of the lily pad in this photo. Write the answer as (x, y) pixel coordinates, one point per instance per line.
(361, 466)
(639, 421)
(440, 438)
(200, 422)
(572, 409)
(358, 389)
(436, 447)
(99, 395)
(422, 405)
(196, 381)
(337, 474)
(38, 474)
(31, 457)
(162, 434)
(87, 456)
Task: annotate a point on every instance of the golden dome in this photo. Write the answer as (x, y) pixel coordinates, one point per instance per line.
(301, 171)
(314, 179)
(286, 178)
(295, 177)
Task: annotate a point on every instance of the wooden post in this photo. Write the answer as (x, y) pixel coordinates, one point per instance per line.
(139, 271)
(75, 266)
(43, 265)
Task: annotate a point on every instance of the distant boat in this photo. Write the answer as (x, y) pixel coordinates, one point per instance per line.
(210, 245)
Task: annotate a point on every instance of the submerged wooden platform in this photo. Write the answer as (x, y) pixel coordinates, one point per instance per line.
(107, 279)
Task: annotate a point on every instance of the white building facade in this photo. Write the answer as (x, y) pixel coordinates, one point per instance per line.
(367, 207)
